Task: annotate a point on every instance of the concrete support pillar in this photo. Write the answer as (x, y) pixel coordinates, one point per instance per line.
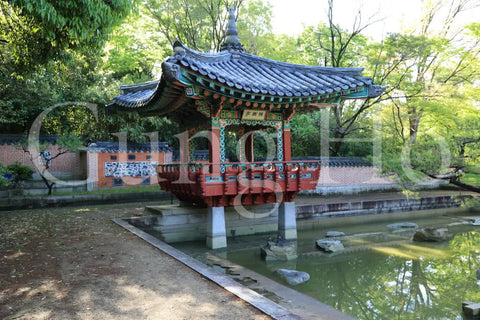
(216, 233)
(287, 221)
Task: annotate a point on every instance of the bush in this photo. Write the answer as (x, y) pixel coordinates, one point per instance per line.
(4, 176)
(19, 173)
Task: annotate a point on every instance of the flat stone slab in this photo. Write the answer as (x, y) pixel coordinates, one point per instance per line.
(279, 251)
(399, 225)
(332, 234)
(329, 245)
(472, 310)
(431, 234)
(293, 277)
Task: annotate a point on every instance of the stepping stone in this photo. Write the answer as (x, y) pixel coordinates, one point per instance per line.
(472, 310)
(329, 245)
(279, 251)
(293, 277)
(403, 225)
(331, 234)
(431, 234)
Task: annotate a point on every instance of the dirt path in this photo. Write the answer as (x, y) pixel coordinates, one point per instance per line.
(74, 263)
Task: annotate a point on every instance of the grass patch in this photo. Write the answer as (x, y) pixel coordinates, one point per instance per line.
(104, 191)
(471, 179)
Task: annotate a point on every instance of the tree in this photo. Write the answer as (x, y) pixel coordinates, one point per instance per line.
(201, 24)
(331, 45)
(428, 64)
(48, 53)
(34, 32)
(44, 158)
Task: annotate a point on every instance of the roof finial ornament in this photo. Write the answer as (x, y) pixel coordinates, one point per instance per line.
(232, 43)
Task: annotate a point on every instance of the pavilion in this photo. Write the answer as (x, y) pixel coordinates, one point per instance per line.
(234, 90)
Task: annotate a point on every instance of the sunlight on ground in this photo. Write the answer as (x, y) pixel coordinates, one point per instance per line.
(14, 255)
(41, 314)
(47, 287)
(21, 291)
(133, 295)
(82, 210)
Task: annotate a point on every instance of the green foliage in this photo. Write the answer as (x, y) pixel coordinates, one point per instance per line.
(3, 172)
(70, 142)
(471, 179)
(201, 24)
(16, 173)
(19, 173)
(318, 49)
(306, 135)
(37, 31)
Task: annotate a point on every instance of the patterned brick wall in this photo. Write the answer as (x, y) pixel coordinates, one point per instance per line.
(116, 169)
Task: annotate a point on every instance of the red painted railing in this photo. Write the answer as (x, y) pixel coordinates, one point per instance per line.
(236, 183)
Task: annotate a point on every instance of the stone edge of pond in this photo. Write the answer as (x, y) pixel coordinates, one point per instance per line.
(20, 203)
(253, 298)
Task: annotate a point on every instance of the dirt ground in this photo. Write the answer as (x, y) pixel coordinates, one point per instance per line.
(75, 263)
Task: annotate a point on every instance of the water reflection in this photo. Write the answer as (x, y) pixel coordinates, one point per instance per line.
(408, 281)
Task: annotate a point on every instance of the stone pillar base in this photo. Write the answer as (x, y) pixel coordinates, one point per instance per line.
(287, 221)
(216, 233)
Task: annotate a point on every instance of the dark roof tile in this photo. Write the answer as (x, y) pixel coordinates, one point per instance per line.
(243, 71)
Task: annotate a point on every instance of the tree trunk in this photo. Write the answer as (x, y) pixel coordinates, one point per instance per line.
(464, 185)
(414, 117)
(48, 184)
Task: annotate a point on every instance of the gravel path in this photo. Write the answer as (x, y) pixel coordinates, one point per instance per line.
(75, 263)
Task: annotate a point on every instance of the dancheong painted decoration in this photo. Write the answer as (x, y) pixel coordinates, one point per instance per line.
(232, 90)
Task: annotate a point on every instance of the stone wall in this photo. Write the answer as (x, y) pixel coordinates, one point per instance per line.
(349, 180)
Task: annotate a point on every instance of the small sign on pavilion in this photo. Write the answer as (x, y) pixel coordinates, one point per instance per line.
(253, 114)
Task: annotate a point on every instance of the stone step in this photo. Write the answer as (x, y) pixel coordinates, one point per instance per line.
(472, 310)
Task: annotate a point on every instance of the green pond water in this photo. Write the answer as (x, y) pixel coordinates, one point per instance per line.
(383, 275)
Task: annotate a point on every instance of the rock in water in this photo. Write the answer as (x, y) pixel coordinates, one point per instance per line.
(279, 251)
(403, 225)
(329, 245)
(476, 222)
(293, 277)
(331, 234)
(431, 234)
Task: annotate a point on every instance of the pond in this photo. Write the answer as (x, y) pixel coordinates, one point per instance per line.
(382, 274)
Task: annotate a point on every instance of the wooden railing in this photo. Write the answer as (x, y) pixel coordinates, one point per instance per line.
(231, 183)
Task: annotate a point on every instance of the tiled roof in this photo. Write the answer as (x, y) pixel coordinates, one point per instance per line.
(136, 95)
(249, 73)
(18, 138)
(107, 146)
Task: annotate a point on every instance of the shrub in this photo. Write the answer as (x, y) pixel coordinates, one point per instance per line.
(19, 173)
(4, 176)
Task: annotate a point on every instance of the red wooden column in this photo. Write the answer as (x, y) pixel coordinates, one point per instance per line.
(214, 150)
(184, 146)
(287, 146)
(249, 147)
